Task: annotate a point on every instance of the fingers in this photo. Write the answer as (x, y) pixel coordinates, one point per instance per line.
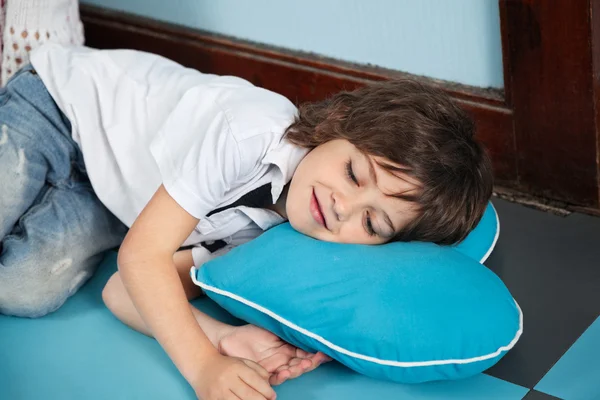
(275, 361)
(260, 370)
(285, 372)
(279, 376)
(254, 385)
(317, 359)
(297, 367)
(244, 392)
(301, 368)
(302, 354)
(277, 379)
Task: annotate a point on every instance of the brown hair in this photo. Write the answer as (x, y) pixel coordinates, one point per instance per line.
(419, 127)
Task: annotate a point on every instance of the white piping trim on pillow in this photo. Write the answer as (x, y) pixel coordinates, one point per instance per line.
(351, 353)
(485, 257)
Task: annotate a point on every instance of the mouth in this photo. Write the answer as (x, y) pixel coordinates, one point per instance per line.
(316, 211)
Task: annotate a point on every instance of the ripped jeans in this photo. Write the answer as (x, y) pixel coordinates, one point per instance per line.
(54, 230)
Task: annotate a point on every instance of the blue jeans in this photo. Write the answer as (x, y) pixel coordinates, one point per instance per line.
(53, 228)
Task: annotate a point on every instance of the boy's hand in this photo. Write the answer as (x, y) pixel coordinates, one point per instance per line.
(221, 377)
(282, 360)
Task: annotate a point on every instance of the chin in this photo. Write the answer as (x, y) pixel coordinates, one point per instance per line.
(301, 226)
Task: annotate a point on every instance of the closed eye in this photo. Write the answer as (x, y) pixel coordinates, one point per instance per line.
(350, 172)
(369, 226)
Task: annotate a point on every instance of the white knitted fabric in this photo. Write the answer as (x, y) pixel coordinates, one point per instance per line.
(29, 23)
(2, 20)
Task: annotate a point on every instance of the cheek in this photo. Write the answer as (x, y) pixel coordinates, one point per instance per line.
(296, 206)
(353, 232)
(293, 210)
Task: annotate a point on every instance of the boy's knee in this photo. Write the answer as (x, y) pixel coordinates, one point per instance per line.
(29, 306)
(28, 300)
(27, 289)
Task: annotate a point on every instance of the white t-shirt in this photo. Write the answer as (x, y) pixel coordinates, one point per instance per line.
(142, 120)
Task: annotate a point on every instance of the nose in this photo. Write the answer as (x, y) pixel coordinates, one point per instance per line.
(342, 207)
(346, 204)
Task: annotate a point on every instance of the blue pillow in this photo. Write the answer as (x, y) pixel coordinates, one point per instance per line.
(481, 241)
(406, 312)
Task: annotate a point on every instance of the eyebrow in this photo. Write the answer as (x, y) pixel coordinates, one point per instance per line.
(373, 176)
(372, 173)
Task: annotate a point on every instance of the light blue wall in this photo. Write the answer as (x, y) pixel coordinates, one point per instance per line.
(455, 40)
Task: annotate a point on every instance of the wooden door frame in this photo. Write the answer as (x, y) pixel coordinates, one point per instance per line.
(551, 77)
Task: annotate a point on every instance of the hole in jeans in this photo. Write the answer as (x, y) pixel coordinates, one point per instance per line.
(4, 137)
(61, 266)
(22, 162)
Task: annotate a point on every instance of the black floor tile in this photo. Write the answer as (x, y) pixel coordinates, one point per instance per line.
(535, 395)
(551, 265)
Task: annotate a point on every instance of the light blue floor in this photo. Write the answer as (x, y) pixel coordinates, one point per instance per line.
(83, 352)
(576, 376)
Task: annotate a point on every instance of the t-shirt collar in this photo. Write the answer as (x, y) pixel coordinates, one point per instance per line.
(285, 157)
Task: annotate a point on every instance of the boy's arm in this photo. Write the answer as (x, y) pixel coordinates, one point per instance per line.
(184, 261)
(146, 267)
(118, 301)
(247, 341)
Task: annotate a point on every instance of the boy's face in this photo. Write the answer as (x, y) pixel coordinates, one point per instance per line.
(339, 194)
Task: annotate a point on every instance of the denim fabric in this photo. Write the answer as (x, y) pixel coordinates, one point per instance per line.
(53, 228)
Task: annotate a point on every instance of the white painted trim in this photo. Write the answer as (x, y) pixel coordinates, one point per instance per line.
(392, 363)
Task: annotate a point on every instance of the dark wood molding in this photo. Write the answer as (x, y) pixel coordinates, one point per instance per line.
(595, 48)
(540, 131)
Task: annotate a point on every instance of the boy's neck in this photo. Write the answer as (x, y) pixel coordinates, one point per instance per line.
(279, 206)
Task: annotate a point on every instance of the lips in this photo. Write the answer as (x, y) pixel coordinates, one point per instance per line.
(316, 211)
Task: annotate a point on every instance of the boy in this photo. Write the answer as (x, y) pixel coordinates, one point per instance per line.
(105, 140)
